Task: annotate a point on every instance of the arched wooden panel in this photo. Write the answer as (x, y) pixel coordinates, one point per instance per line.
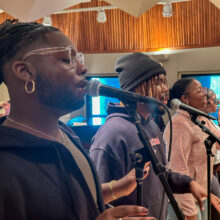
(194, 24)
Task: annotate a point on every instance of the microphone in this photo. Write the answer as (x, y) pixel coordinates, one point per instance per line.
(217, 102)
(95, 88)
(177, 104)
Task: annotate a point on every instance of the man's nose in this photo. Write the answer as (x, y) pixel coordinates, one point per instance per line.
(81, 68)
(165, 88)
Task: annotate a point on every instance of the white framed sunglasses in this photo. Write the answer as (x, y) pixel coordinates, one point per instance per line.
(72, 54)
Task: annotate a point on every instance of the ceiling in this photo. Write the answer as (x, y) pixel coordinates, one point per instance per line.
(194, 24)
(30, 10)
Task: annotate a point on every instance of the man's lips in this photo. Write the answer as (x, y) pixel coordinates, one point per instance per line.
(82, 84)
(163, 100)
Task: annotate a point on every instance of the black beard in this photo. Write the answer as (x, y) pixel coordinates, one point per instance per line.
(57, 96)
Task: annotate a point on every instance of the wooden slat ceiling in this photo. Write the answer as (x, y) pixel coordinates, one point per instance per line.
(193, 24)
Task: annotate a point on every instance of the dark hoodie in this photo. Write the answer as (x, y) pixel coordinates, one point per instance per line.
(39, 179)
(110, 150)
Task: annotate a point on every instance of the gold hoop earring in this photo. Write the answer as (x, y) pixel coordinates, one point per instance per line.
(32, 86)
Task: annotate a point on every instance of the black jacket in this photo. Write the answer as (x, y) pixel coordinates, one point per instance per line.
(39, 179)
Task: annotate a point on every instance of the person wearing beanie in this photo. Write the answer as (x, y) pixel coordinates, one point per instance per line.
(137, 68)
(118, 137)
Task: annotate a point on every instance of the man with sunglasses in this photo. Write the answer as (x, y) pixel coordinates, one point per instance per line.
(44, 173)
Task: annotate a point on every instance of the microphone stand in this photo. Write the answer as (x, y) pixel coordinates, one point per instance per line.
(209, 141)
(141, 156)
(137, 160)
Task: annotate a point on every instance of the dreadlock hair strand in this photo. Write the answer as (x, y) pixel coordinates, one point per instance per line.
(16, 36)
(147, 88)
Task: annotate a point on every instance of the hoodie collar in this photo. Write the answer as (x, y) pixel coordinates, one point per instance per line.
(116, 110)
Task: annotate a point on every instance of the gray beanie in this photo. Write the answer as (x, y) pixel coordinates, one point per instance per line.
(135, 68)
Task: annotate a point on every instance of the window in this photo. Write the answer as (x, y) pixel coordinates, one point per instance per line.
(96, 106)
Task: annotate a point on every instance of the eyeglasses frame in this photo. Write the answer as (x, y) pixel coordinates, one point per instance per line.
(44, 51)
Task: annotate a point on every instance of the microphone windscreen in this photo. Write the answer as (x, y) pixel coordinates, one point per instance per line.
(217, 102)
(92, 87)
(175, 103)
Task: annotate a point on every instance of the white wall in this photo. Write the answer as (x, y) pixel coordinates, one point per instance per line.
(205, 59)
(194, 60)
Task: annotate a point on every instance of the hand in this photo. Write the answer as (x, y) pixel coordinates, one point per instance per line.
(198, 192)
(123, 186)
(123, 213)
(215, 201)
(2, 113)
(128, 182)
(191, 217)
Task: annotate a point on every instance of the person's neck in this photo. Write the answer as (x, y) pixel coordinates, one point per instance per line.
(38, 118)
(143, 110)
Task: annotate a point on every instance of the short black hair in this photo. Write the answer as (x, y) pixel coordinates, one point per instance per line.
(16, 36)
(179, 88)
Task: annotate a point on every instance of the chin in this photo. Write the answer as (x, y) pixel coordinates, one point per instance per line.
(73, 106)
(64, 105)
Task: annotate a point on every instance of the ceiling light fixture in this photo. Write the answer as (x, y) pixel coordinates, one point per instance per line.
(47, 21)
(167, 10)
(101, 16)
(107, 7)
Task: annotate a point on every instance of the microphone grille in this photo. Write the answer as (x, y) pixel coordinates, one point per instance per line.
(175, 103)
(217, 102)
(92, 87)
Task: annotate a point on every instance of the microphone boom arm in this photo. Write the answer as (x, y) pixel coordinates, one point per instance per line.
(201, 124)
(209, 141)
(147, 152)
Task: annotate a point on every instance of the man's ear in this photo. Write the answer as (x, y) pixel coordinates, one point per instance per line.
(184, 98)
(23, 70)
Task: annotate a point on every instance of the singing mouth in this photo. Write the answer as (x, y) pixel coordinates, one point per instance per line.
(164, 99)
(82, 84)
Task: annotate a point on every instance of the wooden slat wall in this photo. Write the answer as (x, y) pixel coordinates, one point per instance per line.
(193, 24)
